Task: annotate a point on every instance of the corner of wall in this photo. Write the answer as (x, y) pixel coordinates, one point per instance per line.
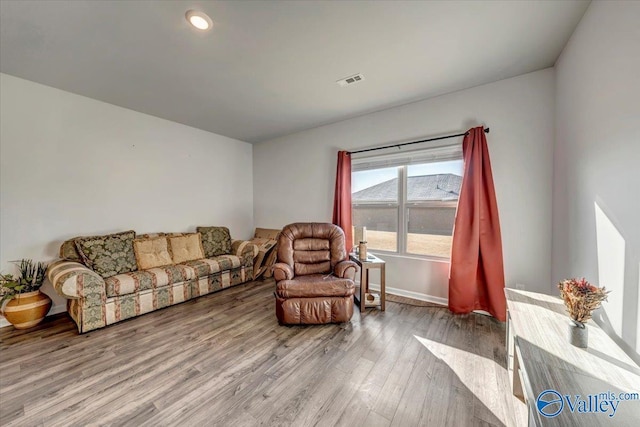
(595, 227)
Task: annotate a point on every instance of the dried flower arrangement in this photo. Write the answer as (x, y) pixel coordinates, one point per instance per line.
(581, 298)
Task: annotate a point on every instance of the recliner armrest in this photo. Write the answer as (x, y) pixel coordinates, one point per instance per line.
(282, 271)
(346, 270)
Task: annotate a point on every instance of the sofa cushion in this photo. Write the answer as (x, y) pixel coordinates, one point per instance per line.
(152, 252)
(215, 240)
(207, 266)
(128, 283)
(315, 285)
(186, 248)
(108, 255)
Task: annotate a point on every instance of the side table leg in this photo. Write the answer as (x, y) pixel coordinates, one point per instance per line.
(383, 289)
(364, 284)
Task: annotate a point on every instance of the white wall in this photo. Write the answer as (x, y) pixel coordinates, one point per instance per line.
(72, 166)
(294, 175)
(596, 209)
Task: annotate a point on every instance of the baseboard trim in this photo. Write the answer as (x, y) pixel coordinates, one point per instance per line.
(410, 294)
(56, 309)
(420, 296)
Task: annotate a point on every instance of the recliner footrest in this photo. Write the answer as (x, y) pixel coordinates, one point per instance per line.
(314, 311)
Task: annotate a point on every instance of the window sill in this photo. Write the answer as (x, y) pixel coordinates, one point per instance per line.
(380, 253)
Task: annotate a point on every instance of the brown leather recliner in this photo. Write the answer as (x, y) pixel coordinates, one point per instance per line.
(314, 279)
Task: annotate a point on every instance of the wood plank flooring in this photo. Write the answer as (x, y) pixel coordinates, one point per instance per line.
(223, 360)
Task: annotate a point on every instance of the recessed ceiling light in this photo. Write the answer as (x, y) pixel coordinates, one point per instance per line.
(198, 19)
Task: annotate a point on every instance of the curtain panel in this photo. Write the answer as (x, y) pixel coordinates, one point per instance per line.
(476, 275)
(342, 199)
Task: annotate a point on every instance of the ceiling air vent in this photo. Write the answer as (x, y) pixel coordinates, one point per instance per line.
(350, 80)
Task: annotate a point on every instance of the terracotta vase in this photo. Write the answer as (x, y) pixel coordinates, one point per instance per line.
(27, 310)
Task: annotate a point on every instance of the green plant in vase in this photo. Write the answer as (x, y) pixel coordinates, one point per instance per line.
(30, 306)
(9, 287)
(30, 278)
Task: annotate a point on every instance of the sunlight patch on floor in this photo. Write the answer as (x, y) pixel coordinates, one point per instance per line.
(474, 372)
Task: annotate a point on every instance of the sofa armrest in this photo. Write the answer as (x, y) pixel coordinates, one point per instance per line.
(282, 271)
(245, 250)
(346, 270)
(73, 280)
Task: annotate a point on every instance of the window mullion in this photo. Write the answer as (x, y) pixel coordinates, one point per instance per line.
(402, 219)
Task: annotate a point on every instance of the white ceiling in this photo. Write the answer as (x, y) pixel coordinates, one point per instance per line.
(269, 68)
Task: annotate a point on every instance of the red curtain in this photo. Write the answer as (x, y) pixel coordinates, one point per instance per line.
(476, 277)
(342, 198)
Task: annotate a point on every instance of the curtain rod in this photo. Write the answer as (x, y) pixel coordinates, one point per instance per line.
(486, 130)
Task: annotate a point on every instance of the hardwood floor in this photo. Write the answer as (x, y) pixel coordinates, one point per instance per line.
(222, 359)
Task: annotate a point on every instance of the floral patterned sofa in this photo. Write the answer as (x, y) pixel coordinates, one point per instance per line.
(114, 277)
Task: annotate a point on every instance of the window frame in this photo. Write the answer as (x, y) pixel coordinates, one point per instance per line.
(402, 163)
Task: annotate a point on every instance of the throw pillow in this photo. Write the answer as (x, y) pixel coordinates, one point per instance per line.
(152, 252)
(186, 248)
(108, 255)
(69, 251)
(216, 241)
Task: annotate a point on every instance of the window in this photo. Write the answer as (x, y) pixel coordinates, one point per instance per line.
(408, 202)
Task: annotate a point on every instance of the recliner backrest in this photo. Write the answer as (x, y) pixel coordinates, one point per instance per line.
(311, 248)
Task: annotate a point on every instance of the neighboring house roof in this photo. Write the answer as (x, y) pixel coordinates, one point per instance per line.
(424, 187)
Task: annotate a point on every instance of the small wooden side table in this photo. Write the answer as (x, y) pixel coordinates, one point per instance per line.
(371, 262)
